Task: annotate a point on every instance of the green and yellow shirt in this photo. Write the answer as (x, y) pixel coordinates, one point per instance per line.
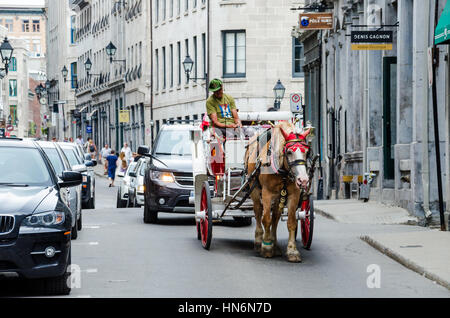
(222, 107)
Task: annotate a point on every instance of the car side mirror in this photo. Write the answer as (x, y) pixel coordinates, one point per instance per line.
(143, 150)
(132, 174)
(89, 163)
(79, 168)
(70, 179)
(95, 163)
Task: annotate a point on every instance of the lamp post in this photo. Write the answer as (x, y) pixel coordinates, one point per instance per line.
(6, 52)
(279, 91)
(111, 51)
(188, 65)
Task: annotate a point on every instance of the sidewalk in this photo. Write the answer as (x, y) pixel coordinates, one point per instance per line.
(424, 251)
(358, 212)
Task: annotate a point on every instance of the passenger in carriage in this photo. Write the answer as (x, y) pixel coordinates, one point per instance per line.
(222, 111)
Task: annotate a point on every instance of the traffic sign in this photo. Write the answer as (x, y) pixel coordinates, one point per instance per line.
(89, 129)
(296, 103)
(9, 128)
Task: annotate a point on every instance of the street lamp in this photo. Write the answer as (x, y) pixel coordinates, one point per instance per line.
(111, 51)
(279, 91)
(6, 51)
(65, 72)
(88, 65)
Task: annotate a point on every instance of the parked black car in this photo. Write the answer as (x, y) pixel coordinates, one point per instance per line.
(169, 181)
(35, 221)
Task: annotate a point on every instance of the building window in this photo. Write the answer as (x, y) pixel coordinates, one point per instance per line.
(9, 24)
(187, 53)
(36, 26)
(171, 9)
(72, 29)
(195, 3)
(157, 70)
(25, 25)
(13, 65)
(164, 67)
(298, 58)
(195, 58)
(204, 52)
(13, 88)
(157, 11)
(13, 113)
(179, 7)
(234, 63)
(179, 63)
(73, 72)
(186, 5)
(164, 10)
(171, 65)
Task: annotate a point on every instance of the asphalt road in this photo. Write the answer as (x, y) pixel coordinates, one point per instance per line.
(120, 256)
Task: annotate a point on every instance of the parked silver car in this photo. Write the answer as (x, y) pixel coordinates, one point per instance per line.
(82, 163)
(127, 181)
(60, 164)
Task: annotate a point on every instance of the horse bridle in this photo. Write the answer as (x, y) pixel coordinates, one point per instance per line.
(295, 141)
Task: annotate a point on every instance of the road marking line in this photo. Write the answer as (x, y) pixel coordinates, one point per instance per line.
(90, 243)
(92, 227)
(91, 270)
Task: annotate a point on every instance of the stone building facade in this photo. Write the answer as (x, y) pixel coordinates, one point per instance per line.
(247, 43)
(122, 85)
(375, 107)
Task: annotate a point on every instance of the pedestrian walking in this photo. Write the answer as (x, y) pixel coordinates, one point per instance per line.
(104, 153)
(112, 167)
(128, 153)
(124, 163)
(80, 140)
(92, 148)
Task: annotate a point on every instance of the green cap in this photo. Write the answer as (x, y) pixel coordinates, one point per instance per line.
(215, 85)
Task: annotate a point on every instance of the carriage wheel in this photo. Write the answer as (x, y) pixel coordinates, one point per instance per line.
(206, 224)
(307, 225)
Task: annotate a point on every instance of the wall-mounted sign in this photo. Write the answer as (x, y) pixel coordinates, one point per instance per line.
(372, 36)
(296, 103)
(89, 129)
(124, 116)
(316, 21)
(372, 40)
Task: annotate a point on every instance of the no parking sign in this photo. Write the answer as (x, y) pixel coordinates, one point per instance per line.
(296, 103)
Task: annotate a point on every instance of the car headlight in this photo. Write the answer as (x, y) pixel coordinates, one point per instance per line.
(162, 176)
(47, 219)
(141, 189)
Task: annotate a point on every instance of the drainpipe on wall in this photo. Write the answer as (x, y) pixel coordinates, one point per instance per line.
(425, 138)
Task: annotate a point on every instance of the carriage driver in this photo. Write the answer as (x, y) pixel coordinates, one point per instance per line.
(221, 108)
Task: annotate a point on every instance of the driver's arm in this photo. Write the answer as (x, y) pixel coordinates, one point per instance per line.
(216, 122)
(237, 120)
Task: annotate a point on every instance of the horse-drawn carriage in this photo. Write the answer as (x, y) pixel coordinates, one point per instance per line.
(264, 170)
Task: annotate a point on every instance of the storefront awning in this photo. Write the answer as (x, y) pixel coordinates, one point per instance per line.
(442, 33)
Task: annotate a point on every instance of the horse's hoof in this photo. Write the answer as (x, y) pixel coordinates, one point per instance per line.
(267, 251)
(258, 246)
(294, 257)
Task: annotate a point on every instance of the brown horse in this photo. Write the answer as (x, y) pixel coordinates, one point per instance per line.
(290, 150)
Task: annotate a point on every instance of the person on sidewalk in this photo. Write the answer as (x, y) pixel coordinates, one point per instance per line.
(92, 148)
(104, 153)
(112, 167)
(128, 153)
(80, 140)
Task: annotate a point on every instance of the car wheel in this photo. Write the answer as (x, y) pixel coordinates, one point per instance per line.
(74, 233)
(80, 221)
(242, 221)
(120, 203)
(58, 285)
(150, 216)
(91, 203)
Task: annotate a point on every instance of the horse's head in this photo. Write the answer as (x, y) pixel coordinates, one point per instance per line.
(295, 152)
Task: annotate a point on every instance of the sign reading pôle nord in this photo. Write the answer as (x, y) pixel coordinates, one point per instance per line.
(316, 21)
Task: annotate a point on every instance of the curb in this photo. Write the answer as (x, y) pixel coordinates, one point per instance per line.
(405, 262)
(325, 214)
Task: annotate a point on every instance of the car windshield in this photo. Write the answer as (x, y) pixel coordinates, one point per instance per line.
(72, 157)
(174, 142)
(23, 167)
(131, 168)
(55, 159)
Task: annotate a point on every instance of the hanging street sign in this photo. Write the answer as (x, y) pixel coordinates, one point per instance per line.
(372, 40)
(124, 117)
(89, 129)
(316, 21)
